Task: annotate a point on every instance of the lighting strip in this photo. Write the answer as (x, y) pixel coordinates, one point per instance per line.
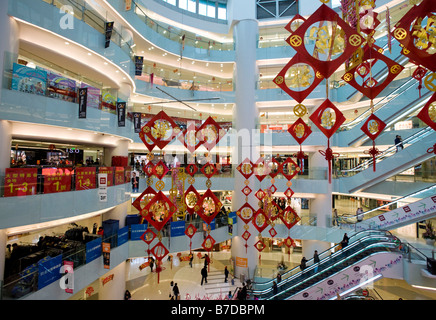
(358, 286)
(425, 288)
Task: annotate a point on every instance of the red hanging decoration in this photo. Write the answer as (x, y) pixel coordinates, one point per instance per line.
(190, 232)
(159, 251)
(323, 118)
(419, 74)
(372, 127)
(161, 129)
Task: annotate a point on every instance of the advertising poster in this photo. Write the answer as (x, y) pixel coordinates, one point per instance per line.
(57, 179)
(93, 96)
(20, 181)
(102, 187)
(119, 175)
(61, 88)
(110, 174)
(49, 271)
(108, 101)
(139, 61)
(29, 80)
(106, 247)
(177, 228)
(83, 98)
(93, 250)
(85, 178)
(137, 121)
(108, 26)
(137, 230)
(123, 235)
(121, 113)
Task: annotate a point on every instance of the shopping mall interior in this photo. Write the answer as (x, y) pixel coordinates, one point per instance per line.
(217, 150)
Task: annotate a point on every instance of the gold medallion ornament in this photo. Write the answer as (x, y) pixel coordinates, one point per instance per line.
(149, 181)
(430, 81)
(348, 76)
(160, 185)
(246, 227)
(355, 40)
(191, 180)
(400, 34)
(300, 110)
(279, 80)
(296, 41)
(396, 69)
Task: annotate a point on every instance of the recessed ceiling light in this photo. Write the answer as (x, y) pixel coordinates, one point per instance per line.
(117, 71)
(105, 63)
(89, 53)
(67, 43)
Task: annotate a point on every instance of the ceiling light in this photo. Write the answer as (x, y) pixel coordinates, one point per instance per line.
(67, 43)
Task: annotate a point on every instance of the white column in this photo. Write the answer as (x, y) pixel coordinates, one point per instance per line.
(245, 118)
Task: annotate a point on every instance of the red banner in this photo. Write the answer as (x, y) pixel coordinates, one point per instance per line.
(57, 179)
(85, 178)
(110, 174)
(119, 175)
(20, 181)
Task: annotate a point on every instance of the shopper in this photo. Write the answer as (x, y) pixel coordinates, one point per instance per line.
(191, 257)
(316, 260)
(206, 260)
(279, 277)
(359, 214)
(275, 289)
(303, 263)
(135, 182)
(345, 241)
(151, 260)
(127, 295)
(226, 274)
(398, 143)
(229, 296)
(335, 217)
(203, 275)
(176, 292)
(244, 291)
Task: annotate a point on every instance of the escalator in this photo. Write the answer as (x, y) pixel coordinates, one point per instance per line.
(314, 281)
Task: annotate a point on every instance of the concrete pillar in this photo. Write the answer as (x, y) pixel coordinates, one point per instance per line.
(245, 120)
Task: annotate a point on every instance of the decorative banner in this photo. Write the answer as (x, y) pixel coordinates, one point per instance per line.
(210, 133)
(246, 213)
(246, 168)
(328, 119)
(106, 248)
(208, 243)
(93, 96)
(119, 175)
(300, 75)
(428, 112)
(49, 270)
(93, 250)
(343, 41)
(209, 206)
(108, 101)
(121, 113)
(190, 232)
(110, 174)
(60, 87)
(192, 200)
(85, 178)
(415, 32)
(289, 217)
(137, 122)
(108, 27)
(141, 202)
(69, 276)
(28, 80)
(139, 62)
(161, 129)
(102, 187)
(20, 181)
(83, 98)
(57, 179)
(159, 252)
(260, 220)
(159, 210)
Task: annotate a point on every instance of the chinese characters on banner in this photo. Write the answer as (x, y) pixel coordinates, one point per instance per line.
(57, 179)
(20, 181)
(85, 178)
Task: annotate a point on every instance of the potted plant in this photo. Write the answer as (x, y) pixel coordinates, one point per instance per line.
(429, 234)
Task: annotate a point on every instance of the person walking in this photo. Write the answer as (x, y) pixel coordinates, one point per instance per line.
(345, 241)
(275, 289)
(176, 292)
(359, 214)
(191, 257)
(335, 217)
(398, 143)
(203, 275)
(303, 263)
(226, 274)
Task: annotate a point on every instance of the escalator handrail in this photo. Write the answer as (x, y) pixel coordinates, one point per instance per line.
(382, 245)
(370, 235)
(408, 140)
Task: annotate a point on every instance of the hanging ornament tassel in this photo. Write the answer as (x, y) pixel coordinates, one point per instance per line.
(329, 156)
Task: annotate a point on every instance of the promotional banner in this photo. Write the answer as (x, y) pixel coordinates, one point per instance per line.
(29, 80)
(108, 27)
(110, 174)
(119, 175)
(93, 250)
(20, 181)
(137, 230)
(49, 271)
(93, 96)
(57, 179)
(60, 87)
(177, 228)
(102, 187)
(121, 113)
(139, 61)
(85, 178)
(106, 247)
(137, 121)
(83, 99)
(123, 235)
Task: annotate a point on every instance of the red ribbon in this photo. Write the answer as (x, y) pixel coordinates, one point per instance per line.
(373, 152)
(329, 156)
